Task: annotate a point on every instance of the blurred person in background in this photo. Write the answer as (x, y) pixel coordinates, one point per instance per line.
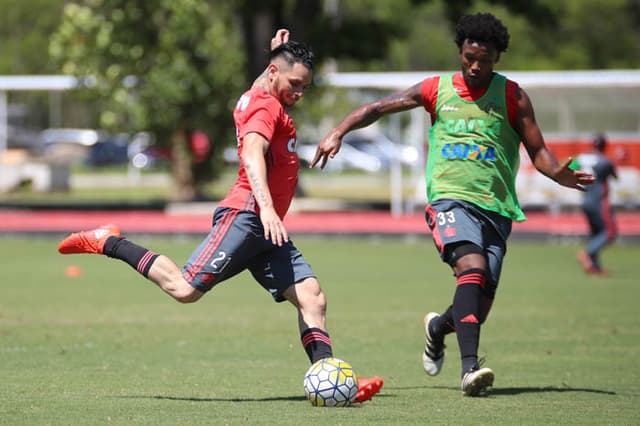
(596, 205)
(479, 118)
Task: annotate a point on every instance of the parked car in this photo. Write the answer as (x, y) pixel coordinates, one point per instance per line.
(143, 153)
(380, 146)
(349, 158)
(98, 148)
(113, 149)
(361, 150)
(69, 146)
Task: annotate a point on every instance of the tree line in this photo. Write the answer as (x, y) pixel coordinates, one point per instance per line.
(176, 67)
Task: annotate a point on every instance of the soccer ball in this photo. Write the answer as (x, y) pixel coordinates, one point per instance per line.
(330, 382)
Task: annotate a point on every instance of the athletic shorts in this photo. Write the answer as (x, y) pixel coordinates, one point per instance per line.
(236, 242)
(455, 221)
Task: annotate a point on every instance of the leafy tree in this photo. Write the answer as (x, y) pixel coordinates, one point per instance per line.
(371, 35)
(172, 67)
(24, 31)
(597, 35)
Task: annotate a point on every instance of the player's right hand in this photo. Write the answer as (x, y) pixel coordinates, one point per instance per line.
(328, 147)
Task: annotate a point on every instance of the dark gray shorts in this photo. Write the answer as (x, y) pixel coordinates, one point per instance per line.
(235, 243)
(455, 221)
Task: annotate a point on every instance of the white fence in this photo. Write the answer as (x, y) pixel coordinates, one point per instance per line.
(566, 102)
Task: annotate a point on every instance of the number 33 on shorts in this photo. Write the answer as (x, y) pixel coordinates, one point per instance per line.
(444, 218)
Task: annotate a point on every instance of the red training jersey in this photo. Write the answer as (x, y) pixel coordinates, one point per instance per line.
(429, 90)
(259, 112)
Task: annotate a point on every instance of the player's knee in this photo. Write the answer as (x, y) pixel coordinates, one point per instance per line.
(321, 302)
(186, 298)
(465, 255)
(186, 294)
(316, 301)
(311, 296)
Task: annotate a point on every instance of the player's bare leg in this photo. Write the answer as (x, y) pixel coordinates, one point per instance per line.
(166, 274)
(157, 268)
(309, 300)
(311, 303)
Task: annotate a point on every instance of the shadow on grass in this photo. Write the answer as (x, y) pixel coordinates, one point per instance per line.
(546, 389)
(514, 390)
(193, 399)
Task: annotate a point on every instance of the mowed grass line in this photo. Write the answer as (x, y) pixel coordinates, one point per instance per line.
(109, 348)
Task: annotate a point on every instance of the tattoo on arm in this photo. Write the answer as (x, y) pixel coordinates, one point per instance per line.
(257, 187)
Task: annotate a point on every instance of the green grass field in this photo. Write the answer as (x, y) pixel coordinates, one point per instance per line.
(109, 348)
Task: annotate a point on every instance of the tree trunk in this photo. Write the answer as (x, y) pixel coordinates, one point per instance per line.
(181, 166)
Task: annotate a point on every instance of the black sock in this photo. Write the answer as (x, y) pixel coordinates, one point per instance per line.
(444, 324)
(466, 312)
(138, 257)
(317, 344)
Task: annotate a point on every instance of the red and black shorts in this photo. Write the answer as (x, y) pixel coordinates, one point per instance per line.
(455, 221)
(236, 242)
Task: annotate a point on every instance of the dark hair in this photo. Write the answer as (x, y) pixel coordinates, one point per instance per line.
(483, 27)
(600, 142)
(293, 52)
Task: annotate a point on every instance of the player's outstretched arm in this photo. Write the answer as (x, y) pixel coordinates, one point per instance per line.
(543, 159)
(363, 116)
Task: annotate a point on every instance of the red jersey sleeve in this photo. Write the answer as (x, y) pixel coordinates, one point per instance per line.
(511, 94)
(259, 112)
(260, 117)
(429, 93)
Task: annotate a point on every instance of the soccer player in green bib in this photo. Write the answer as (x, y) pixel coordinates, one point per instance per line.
(479, 118)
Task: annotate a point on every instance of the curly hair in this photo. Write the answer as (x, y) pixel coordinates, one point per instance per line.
(293, 52)
(483, 27)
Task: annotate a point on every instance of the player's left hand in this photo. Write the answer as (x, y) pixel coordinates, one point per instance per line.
(576, 179)
(274, 229)
(328, 147)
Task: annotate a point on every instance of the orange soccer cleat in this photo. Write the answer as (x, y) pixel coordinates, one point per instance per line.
(368, 387)
(88, 241)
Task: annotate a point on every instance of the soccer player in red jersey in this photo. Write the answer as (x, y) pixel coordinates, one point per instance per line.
(248, 232)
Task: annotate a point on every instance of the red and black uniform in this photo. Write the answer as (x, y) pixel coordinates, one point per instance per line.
(259, 112)
(236, 241)
(429, 91)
